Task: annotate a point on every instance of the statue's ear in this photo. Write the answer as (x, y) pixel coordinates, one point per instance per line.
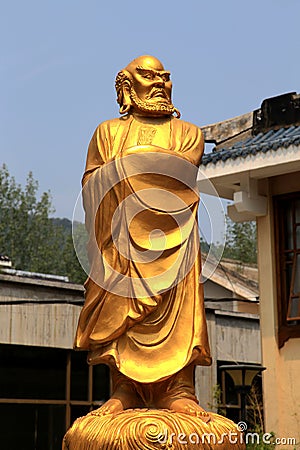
(126, 100)
(123, 85)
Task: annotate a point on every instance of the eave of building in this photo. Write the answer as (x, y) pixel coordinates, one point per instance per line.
(237, 314)
(41, 282)
(225, 278)
(231, 175)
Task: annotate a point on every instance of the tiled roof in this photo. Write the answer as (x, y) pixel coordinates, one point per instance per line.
(263, 142)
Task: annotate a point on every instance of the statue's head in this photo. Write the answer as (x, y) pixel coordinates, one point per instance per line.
(144, 86)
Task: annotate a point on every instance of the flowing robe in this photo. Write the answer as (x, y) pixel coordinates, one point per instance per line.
(144, 307)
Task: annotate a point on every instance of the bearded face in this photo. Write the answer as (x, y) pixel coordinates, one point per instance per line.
(149, 87)
(156, 103)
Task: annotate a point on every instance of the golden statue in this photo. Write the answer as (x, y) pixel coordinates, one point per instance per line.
(144, 308)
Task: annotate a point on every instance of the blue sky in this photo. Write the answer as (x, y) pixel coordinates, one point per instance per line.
(59, 59)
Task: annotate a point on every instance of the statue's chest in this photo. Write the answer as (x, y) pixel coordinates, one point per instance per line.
(148, 134)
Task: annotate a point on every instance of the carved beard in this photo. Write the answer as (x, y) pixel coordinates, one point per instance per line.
(155, 109)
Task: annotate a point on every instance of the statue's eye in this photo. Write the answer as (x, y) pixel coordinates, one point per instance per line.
(148, 76)
(166, 77)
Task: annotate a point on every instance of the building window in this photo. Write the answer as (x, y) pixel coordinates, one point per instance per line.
(42, 392)
(287, 242)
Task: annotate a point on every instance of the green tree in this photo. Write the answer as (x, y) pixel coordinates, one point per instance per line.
(241, 242)
(70, 256)
(32, 240)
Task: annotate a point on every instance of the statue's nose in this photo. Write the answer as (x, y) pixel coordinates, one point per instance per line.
(159, 82)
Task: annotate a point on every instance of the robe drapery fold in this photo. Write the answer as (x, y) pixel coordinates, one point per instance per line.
(144, 308)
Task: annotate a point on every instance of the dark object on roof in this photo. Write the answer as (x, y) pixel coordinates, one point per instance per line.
(277, 112)
(5, 261)
(274, 113)
(4, 258)
(263, 142)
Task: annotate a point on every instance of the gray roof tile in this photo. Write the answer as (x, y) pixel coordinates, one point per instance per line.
(263, 142)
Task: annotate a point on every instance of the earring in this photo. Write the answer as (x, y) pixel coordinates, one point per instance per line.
(124, 109)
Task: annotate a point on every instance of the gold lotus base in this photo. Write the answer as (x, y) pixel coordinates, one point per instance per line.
(147, 429)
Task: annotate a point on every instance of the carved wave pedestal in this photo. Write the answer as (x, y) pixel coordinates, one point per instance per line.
(147, 429)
